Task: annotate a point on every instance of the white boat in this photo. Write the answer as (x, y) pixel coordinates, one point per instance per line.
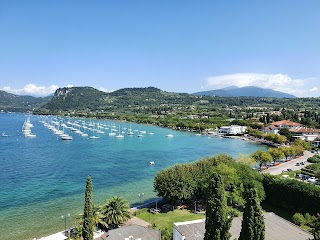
(84, 135)
(112, 134)
(151, 133)
(130, 133)
(152, 163)
(66, 137)
(94, 137)
(119, 135)
(4, 135)
(30, 135)
(139, 135)
(169, 135)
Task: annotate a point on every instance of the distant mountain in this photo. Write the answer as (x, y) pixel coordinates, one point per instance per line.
(250, 91)
(16, 103)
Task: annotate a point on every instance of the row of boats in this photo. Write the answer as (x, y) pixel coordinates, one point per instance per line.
(26, 129)
(60, 127)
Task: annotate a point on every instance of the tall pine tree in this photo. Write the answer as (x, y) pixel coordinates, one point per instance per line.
(253, 227)
(87, 230)
(217, 221)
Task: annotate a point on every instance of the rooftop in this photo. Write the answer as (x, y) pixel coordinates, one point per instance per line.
(277, 228)
(136, 231)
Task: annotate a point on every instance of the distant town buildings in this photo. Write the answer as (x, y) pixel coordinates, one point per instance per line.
(298, 130)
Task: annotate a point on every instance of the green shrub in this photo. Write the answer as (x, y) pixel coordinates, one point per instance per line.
(298, 219)
(293, 195)
(314, 159)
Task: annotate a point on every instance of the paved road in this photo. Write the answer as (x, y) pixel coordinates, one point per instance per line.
(278, 169)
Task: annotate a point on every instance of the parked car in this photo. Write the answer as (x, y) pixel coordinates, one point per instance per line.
(298, 164)
(299, 176)
(302, 163)
(305, 177)
(312, 179)
(289, 170)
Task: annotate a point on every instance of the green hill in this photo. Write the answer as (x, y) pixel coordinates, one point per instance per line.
(15, 103)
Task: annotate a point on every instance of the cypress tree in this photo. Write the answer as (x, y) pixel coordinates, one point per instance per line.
(253, 227)
(217, 221)
(87, 230)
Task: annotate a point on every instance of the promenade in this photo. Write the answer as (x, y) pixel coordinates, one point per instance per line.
(275, 170)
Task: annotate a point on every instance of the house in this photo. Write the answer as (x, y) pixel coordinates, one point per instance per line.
(276, 126)
(277, 228)
(232, 130)
(307, 134)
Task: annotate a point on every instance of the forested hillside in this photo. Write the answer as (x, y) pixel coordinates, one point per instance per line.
(181, 110)
(14, 103)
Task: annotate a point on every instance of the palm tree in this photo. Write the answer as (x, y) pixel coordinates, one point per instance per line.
(97, 218)
(116, 211)
(77, 232)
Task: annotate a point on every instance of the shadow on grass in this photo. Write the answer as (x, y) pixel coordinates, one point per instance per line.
(279, 211)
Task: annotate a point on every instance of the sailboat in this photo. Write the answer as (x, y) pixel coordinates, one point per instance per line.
(93, 136)
(119, 135)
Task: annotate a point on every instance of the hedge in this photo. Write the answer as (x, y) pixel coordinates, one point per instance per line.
(291, 194)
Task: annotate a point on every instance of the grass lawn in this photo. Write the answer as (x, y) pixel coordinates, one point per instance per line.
(162, 221)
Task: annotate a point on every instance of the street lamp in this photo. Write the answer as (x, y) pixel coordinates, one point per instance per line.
(140, 196)
(65, 222)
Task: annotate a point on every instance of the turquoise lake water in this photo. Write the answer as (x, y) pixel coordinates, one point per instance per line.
(44, 177)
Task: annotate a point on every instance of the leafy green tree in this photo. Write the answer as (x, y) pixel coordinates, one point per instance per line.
(286, 132)
(280, 139)
(246, 159)
(261, 157)
(298, 150)
(275, 153)
(298, 219)
(217, 222)
(287, 151)
(87, 230)
(253, 227)
(116, 211)
(302, 143)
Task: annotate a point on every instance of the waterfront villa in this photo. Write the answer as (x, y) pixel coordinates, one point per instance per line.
(232, 130)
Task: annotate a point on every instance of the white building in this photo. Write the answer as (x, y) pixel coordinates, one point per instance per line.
(232, 130)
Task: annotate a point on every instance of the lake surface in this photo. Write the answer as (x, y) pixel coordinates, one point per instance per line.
(44, 177)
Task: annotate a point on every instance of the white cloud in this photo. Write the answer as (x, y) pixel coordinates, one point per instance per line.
(32, 89)
(313, 89)
(280, 82)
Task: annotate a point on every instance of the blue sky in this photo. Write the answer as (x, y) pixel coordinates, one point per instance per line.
(180, 46)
